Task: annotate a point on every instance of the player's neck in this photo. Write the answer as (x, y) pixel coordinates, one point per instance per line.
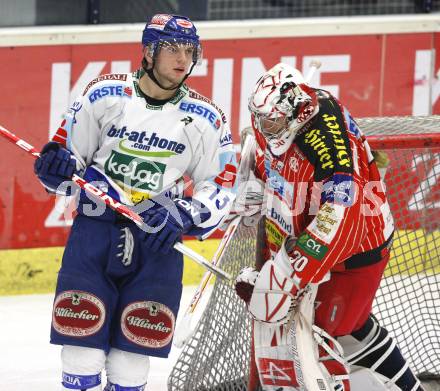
(151, 89)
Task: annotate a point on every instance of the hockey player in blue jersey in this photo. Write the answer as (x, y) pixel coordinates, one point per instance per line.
(135, 136)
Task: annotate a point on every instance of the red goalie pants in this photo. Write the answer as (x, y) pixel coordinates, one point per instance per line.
(344, 302)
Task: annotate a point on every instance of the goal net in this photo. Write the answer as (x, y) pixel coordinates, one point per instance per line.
(408, 301)
(253, 9)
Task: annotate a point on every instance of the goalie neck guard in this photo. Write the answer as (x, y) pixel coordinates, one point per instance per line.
(164, 29)
(281, 105)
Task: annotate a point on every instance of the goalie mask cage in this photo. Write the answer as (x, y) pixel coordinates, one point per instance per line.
(408, 300)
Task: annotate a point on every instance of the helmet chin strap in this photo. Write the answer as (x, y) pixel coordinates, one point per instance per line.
(151, 75)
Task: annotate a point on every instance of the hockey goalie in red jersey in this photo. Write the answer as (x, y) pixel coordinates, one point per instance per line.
(325, 235)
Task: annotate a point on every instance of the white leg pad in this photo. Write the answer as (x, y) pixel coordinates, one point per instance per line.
(288, 356)
(364, 379)
(127, 369)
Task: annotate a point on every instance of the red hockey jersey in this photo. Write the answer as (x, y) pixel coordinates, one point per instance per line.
(326, 192)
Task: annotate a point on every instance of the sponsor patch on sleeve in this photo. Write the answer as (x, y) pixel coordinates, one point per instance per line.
(339, 189)
(202, 111)
(311, 246)
(111, 76)
(195, 95)
(353, 127)
(118, 90)
(326, 223)
(327, 145)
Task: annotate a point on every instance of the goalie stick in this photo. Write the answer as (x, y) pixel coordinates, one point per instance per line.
(314, 66)
(117, 206)
(184, 331)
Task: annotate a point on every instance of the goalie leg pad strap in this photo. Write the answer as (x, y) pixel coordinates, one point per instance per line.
(365, 379)
(372, 347)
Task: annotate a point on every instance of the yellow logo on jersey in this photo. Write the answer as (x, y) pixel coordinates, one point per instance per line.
(273, 234)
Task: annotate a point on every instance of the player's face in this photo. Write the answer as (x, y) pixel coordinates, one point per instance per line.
(273, 127)
(173, 62)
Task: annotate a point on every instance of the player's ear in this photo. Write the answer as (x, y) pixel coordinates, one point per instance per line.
(147, 56)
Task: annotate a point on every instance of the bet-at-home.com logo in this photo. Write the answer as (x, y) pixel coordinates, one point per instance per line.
(140, 143)
(135, 172)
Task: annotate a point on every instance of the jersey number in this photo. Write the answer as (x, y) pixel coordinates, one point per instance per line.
(298, 261)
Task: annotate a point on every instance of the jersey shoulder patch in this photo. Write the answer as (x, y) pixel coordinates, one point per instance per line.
(195, 95)
(110, 86)
(106, 77)
(326, 143)
(197, 106)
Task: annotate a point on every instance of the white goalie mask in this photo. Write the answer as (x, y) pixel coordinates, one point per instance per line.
(281, 105)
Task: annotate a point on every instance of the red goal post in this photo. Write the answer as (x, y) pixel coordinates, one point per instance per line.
(408, 300)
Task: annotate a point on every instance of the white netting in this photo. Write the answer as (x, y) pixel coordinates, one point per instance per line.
(247, 9)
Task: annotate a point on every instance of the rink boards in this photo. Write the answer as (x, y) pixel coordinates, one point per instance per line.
(29, 271)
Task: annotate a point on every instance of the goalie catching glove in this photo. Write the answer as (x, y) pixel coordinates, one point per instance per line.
(272, 293)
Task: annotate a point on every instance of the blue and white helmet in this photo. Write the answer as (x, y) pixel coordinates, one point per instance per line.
(175, 29)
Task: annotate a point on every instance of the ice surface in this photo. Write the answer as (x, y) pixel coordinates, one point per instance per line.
(28, 362)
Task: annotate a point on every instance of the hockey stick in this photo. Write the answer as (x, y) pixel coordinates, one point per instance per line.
(314, 66)
(117, 206)
(184, 331)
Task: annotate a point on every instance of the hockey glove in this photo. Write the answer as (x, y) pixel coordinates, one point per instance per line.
(245, 283)
(272, 293)
(167, 223)
(55, 165)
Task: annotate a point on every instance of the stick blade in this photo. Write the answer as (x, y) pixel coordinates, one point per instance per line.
(183, 331)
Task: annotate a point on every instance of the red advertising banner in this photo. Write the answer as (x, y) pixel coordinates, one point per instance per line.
(374, 75)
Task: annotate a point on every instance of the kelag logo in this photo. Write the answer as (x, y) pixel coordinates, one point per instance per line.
(135, 172)
(112, 90)
(201, 111)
